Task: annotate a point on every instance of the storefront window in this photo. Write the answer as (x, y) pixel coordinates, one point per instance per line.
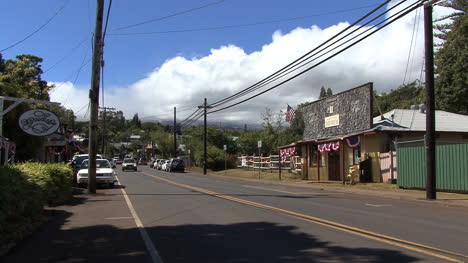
(313, 153)
(356, 155)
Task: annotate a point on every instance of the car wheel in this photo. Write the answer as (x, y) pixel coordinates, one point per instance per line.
(111, 185)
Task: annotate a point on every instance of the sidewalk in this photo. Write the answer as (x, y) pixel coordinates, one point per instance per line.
(373, 189)
(89, 228)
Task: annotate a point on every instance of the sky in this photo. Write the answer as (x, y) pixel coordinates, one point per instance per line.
(207, 49)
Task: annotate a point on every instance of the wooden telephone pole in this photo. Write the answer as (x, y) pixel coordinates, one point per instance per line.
(94, 97)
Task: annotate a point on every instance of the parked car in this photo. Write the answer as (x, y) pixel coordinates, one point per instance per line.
(160, 163)
(104, 173)
(78, 159)
(151, 163)
(129, 164)
(117, 160)
(112, 162)
(164, 165)
(156, 163)
(175, 165)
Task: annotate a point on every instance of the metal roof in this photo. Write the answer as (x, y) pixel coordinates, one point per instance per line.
(415, 120)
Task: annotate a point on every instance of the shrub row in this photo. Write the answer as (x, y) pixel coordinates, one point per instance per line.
(24, 190)
(54, 180)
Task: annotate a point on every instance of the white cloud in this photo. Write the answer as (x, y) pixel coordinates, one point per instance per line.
(184, 82)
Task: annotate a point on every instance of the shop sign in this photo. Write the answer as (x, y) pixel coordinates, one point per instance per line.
(333, 120)
(39, 122)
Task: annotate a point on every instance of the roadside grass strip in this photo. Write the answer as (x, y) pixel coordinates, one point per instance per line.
(413, 246)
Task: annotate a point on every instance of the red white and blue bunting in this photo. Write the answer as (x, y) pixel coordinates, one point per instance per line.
(329, 146)
(353, 142)
(287, 152)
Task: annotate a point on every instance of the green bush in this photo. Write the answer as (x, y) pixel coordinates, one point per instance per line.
(54, 180)
(21, 206)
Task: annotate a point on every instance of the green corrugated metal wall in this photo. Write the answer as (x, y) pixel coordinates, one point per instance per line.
(451, 166)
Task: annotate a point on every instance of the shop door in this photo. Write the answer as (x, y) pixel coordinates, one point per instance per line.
(334, 166)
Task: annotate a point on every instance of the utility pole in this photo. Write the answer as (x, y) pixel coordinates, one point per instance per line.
(205, 151)
(94, 96)
(430, 104)
(175, 134)
(103, 144)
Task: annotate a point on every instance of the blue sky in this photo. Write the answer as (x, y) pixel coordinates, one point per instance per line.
(135, 63)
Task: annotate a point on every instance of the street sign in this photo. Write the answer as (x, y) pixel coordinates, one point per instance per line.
(39, 122)
(259, 144)
(225, 147)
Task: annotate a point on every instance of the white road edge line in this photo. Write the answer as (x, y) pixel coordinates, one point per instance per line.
(146, 239)
(377, 205)
(270, 189)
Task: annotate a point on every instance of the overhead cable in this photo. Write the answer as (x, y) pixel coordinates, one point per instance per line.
(240, 25)
(395, 17)
(39, 28)
(168, 16)
(299, 60)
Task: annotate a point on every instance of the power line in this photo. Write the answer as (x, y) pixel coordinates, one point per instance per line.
(167, 113)
(398, 15)
(66, 55)
(169, 16)
(411, 46)
(38, 29)
(290, 67)
(107, 20)
(240, 25)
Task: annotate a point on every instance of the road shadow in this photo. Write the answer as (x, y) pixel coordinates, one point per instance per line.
(59, 242)
(258, 242)
(241, 242)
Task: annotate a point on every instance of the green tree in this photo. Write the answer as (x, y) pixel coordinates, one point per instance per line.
(401, 98)
(329, 92)
(451, 60)
(135, 122)
(323, 93)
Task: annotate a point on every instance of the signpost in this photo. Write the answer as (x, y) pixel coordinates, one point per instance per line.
(3, 112)
(225, 162)
(39, 122)
(259, 144)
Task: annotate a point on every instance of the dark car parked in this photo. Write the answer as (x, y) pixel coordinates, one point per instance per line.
(176, 165)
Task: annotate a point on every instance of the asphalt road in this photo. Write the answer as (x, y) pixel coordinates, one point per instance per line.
(196, 218)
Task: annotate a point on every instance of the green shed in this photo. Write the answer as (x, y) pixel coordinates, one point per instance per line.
(451, 166)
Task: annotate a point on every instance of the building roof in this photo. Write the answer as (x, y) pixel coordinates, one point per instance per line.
(415, 120)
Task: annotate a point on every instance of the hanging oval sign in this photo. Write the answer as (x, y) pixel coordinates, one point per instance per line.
(39, 122)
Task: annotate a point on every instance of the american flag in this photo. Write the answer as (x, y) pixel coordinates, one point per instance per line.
(290, 112)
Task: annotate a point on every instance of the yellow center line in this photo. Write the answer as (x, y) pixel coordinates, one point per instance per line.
(421, 248)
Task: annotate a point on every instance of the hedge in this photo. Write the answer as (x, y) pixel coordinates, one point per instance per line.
(55, 180)
(21, 206)
(24, 190)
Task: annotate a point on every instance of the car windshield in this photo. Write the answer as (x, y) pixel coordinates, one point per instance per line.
(177, 161)
(129, 161)
(80, 159)
(99, 164)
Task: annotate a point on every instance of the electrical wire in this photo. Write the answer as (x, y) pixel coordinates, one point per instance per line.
(166, 114)
(397, 16)
(168, 16)
(107, 20)
(410, 52)
(39, 28)
(240, 25)
(66, 55)
(286, 69)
